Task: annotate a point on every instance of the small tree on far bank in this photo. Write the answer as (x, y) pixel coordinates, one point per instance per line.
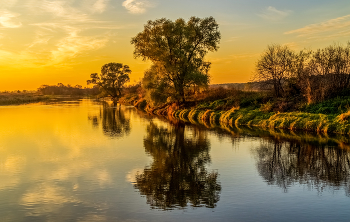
(111, 80)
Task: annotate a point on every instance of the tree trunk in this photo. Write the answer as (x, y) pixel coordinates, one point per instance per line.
(182, 95)
(181, 92)
(115, 101)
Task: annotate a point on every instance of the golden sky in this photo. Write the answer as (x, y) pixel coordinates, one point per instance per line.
(52, 41)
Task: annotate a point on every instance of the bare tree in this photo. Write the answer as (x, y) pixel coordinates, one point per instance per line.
(327, 73)
(274, 67)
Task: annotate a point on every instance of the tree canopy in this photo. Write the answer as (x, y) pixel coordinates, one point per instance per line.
(112, 79)
(177, 50)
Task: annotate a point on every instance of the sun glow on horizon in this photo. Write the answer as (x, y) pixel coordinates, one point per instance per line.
(50, 42)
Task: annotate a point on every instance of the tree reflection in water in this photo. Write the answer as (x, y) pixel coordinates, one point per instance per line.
(114, 121)
(178, 175)
(320, 167)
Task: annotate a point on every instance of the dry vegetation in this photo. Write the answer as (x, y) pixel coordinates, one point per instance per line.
(16, 98)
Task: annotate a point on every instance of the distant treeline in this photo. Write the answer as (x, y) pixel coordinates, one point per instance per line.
(61, 89)
(314, 75)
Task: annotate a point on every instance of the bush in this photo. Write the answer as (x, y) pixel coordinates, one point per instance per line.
(332, 106)
(225, 99)
(267, 107)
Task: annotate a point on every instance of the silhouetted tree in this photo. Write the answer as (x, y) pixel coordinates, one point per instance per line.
(111, 80)
(327, 73)
(275, 67)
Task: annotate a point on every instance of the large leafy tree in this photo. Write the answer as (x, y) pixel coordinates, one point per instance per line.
(112, 79)
(177, 49)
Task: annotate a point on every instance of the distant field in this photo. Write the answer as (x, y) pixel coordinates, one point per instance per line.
(250, 86)
(20, 98)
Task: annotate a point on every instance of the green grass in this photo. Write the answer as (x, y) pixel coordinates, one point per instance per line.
(252, 100)
(255, 117)
(239, 108)
(332, 106)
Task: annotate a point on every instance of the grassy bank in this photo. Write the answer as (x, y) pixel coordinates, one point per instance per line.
(239, 108)
(257, 118)
(21, 98)
(279, 135)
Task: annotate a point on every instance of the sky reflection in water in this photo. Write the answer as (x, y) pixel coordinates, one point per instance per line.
(89, 161)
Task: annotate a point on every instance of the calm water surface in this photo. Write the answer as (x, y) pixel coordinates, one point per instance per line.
(88, 161)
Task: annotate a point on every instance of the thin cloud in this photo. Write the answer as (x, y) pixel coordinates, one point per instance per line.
(232, 39)
(18, 60)
(40, 39)
(65, 29)
(66, 48)
(64, 10)
(9, 19)
(71, 29)
(100, 6)
(61, 54)
(273, 14)
(332, 28)
(74, 45)
(137, 6)
(292, 45)
(8, 3)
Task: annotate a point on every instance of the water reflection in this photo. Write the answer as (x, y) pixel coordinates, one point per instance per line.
(284, 163)
(115, 122)
(178, 175)
(285, 158)
(54, 166)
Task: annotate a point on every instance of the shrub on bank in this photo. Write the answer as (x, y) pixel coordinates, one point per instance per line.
(332, 106)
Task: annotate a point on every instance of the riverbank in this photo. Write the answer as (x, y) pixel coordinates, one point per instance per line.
(269, 120)
(278, 135)
(21, 98)
(332, 116)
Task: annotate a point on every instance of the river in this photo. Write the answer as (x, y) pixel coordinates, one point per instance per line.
(81, 160)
